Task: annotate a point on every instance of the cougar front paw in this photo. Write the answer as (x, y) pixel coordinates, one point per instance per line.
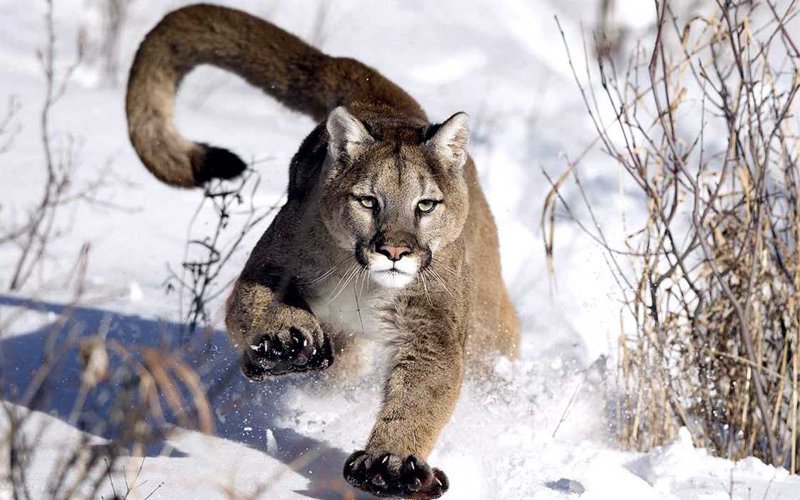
(290, 350)
(388, 475)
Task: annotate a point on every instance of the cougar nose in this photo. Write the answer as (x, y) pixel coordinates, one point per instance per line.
(394, 253)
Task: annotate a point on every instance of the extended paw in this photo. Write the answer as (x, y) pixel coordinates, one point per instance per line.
(388, 475)
(290, 350)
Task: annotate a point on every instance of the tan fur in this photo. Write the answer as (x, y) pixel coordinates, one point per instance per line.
(317, 283)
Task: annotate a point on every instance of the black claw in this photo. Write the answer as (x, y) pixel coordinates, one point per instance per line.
(277, 348)
(440, 479)
(297, 340)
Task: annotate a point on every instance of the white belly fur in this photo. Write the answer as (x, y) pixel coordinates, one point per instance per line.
(355, 313)
(351, 311)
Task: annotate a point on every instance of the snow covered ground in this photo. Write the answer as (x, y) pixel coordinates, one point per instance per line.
(503, 63)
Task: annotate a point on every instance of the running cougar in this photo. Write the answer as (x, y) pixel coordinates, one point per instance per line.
(377, 195)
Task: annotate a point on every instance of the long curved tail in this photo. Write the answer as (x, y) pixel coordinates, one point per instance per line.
(296, 74)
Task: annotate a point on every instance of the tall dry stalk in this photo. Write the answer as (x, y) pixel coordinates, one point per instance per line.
(34, 235)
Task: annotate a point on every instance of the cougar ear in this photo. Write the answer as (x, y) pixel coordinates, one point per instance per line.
(346, 133)
(451, 139)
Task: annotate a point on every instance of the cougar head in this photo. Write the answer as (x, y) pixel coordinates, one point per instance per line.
(394, 195)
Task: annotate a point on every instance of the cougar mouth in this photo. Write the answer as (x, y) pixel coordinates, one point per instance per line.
(392, 274)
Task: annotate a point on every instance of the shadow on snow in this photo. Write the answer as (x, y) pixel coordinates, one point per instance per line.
(242, 410)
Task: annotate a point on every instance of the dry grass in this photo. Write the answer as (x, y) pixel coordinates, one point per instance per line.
(705, 128)
(131, 394)
(144, 389)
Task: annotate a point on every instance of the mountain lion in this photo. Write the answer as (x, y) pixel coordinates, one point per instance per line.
(386, 234)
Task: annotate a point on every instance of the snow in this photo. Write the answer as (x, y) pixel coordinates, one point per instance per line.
(540, 427)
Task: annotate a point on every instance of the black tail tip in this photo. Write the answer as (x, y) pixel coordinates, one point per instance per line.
(216, 163)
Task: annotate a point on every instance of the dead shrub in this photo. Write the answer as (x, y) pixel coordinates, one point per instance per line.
(201, 279)
(705, 128)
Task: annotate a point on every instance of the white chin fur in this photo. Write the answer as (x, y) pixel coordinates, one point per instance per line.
(391, 279)
(390, 274)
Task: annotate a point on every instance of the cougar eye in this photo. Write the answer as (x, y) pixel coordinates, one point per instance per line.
(427, 206)
(367, 201)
